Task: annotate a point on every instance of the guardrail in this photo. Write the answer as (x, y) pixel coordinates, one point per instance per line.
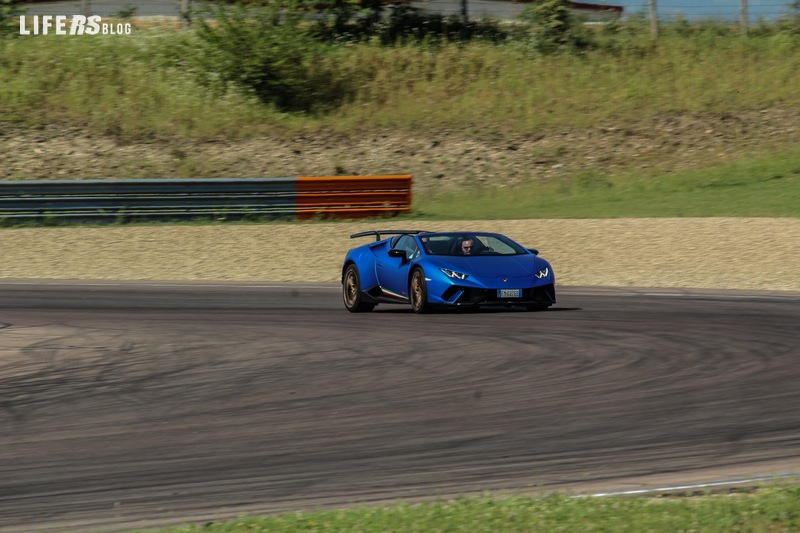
(303, 197)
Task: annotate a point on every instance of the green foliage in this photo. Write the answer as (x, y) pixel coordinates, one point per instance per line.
(402, 24)
(242, 63)
(126, 12)
(554, 27)
(682, 27)
(128, 87)
(406, 24)
(791, 23)
(10, 11)
(265, 49)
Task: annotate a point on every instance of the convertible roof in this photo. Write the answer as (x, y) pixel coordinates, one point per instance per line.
(380, 232)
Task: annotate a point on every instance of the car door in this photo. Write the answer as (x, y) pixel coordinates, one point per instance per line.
(393, 271)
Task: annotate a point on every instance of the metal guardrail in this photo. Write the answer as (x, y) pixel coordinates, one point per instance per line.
(303, 197)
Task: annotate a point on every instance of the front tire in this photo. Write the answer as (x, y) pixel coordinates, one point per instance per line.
(418, 292)
(351, 292)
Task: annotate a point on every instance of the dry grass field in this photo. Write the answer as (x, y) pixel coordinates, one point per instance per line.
(711, 253)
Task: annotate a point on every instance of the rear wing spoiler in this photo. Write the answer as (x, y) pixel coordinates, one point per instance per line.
(380, 232)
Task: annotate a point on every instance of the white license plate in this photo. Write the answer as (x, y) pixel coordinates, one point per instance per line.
(509, 293)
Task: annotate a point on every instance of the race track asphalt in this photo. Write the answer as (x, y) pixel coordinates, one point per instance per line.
(144, 405)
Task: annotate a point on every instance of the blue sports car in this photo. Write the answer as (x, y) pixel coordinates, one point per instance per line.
(448, 269)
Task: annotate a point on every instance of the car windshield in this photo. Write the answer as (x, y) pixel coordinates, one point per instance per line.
(469, 244)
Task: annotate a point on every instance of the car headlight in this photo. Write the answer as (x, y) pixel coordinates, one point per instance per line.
(543, 273)
(453, 274)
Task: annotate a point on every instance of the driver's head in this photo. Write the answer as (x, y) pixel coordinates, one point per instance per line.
(467, 246)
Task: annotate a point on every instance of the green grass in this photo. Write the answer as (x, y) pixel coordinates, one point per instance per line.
(129, 87)
(769, 510)
(145, 85)
(498, 90)
(767, 187)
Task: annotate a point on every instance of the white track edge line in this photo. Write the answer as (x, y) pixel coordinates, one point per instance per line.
(691, 486)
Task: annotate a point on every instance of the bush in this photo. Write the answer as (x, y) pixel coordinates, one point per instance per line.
(555, 28)
(265, 49)
(10, 11)
(407, 23)
(791, 23)
(402, 24)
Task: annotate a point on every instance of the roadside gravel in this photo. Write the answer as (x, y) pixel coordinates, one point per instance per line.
(711, 253)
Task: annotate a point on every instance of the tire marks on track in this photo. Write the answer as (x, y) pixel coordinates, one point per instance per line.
(152, 405)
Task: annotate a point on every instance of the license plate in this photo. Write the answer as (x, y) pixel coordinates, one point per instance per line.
(509, 293)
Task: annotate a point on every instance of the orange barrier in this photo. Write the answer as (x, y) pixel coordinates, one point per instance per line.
(352, 196)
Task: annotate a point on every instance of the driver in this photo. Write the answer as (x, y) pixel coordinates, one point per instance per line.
(468, 246)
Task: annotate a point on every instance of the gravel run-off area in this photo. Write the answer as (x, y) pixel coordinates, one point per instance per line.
(751, 254)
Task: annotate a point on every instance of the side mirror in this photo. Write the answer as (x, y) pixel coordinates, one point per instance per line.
(534, 251)
(399, 253)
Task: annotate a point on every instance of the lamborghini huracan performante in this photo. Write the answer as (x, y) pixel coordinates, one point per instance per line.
(445, 269)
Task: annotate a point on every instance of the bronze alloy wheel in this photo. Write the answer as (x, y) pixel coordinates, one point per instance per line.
(351, 292)
(350, 288)
(418, 292)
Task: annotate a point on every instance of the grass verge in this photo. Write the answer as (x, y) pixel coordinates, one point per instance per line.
(769, 510)
(766, 187)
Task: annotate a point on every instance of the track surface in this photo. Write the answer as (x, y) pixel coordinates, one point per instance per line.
(145, 405)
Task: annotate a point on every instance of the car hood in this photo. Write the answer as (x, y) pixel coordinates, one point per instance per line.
(492, 266)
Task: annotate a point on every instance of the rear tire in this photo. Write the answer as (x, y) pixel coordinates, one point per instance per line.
(351, 292)
(418, 292)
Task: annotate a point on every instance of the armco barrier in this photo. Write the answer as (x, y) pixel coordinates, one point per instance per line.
(302, 197)
(353, 196)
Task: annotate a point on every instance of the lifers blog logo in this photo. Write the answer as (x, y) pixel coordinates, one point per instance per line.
(74, 25)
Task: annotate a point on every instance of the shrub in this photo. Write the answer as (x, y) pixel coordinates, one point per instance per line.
(554, 27)
(10, 11)
(266, 50)
(791, 23)
(402, 24)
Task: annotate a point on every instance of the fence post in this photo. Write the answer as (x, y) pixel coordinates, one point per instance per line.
(743, 17)
(85, 8)
(653, 19)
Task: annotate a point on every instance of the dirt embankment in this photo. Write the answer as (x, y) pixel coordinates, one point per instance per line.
(441, 159)
(747, 254)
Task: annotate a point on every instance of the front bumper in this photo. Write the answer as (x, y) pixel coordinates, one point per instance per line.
(458, 295)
